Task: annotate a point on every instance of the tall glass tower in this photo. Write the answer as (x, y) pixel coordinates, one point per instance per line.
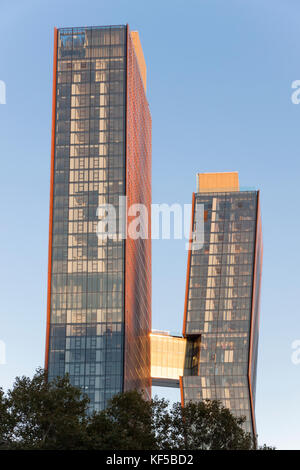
(99, 290)
(221, 315)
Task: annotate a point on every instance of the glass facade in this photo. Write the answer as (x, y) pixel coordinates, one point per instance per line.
(221, 315)
(86, 280)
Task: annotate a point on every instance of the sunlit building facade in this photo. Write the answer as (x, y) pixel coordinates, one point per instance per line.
(99, 290)
(221, 316)
(168, 357)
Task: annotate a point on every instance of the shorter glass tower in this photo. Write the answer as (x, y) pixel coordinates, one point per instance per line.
(221, 314)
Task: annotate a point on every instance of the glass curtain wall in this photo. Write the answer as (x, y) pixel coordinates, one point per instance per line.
(87, 281)
(219, 305)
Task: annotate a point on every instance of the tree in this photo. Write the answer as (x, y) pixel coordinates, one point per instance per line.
(132, 423)
(4, 422)
(162, 423)
(126, 424)
(208, 425)
(37, 414)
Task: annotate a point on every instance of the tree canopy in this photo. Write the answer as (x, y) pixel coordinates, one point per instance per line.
(38, 414)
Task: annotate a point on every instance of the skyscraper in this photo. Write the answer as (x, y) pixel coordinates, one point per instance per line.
(221, 316)
(216, 357)
(99, 290)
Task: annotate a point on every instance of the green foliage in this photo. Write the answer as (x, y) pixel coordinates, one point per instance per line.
(37, 414)
(126, 424)
(208, 425)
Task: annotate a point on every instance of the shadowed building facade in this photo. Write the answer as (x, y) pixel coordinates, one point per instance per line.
(99, 290)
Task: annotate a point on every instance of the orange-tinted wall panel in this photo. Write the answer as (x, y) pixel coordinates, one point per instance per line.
(137, 252)
(51, 197)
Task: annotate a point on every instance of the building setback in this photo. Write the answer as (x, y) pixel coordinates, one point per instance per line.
(99, 291)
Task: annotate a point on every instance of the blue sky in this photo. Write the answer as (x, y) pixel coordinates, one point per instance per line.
(219, 88)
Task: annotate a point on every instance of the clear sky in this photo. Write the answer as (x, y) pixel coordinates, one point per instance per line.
(219, 88)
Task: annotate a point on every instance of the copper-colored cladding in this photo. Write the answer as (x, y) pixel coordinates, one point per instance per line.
(137, 252)
(140, 56)
(257, 271)
(51, 197)
(188, 267)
